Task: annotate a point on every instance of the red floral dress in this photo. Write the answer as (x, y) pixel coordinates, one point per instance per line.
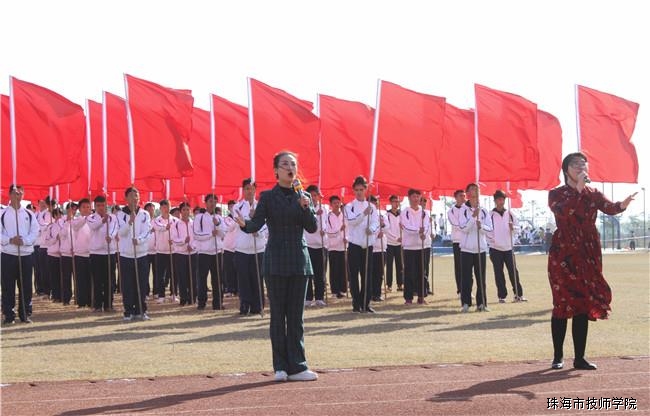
(575, 263)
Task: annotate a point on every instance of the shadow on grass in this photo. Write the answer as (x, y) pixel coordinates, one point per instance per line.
(504, 322)
(512, 385)
(133, 335)
(165, 401)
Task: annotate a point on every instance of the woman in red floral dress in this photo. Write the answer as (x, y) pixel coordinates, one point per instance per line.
(575, 269)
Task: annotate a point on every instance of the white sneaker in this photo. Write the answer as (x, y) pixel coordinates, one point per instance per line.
(307, 303)
(280, 376)
(482, 308)
(306, 375)
(127, 318)
(145, 317)
(160, 300)
(465, 308)
(502, 300)
(320, 303)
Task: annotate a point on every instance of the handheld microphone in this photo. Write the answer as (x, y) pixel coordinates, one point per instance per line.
(297, 185)
(587, 180)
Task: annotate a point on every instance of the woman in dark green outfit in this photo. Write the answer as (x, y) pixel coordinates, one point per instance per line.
(287, 211)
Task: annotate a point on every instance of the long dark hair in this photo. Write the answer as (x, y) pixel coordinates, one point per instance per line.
(567, 161)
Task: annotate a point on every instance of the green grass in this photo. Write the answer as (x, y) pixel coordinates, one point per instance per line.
(64, 343)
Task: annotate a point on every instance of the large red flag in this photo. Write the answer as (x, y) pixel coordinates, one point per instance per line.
(116, 137)
(232, 146)
(457, 156)
(49, 135)
(6, 177)
(408, 138)
(346, 141)
(549, 138)
(96, 182)
(506, 136)
(161, 123)
(201, 150)
(281, 121)
(606, 126)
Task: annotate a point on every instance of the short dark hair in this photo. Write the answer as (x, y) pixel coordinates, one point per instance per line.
(248, 181)
(183, 205)
(56, 211)
(313, 188)
(84, 201)
(71, 204)
(174, 210)
(100, 199)
(360, 180)
(218, 210)
(278, 156)
(334, 198)
(499, 194)
(373, 199)
(469, 185)
(164, 202)
(149, 204)
(567, 161)
(393, 198)
(14, 187)
(209, 197)
(458, 192)
(413, 191)
(231, 202)
(130, 189)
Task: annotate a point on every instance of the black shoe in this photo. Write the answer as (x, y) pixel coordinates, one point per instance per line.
(66, 303)
(8, 321)
(200, 307)
(582, 364)
(557, 364)
(339, 296)
(369, 309)
(26, 321)
(356, 309)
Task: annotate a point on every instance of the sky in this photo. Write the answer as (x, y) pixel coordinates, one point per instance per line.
(537, 49)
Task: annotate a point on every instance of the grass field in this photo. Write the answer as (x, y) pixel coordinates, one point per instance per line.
(64, 343)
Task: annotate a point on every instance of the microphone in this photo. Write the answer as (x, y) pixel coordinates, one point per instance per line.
(587, 180)
(297, 185)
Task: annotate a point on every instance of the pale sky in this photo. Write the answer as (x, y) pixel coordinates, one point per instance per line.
(537, 49)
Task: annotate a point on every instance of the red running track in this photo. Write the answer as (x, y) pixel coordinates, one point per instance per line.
(520, 388)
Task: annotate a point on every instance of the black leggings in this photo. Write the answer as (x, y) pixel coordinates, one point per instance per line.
(579, 329)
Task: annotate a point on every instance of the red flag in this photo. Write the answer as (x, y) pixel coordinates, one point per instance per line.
(117, 149)
(6, 174)
(94, 115)
(281, 121)
(457, 155)
(408, 138)
(201, 151)
(161, 123)
(232, 146)
(507, 136)
(346, 141)
(49, 135)
(549, 138)
(606, 126)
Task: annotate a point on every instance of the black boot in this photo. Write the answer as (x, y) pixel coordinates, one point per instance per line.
(558, 332)
(579, 328)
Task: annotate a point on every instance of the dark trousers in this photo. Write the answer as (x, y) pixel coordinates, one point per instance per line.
(56, 279)
(37, 272)
(318, 258)
(413, 274)
(458, 266)
(471, 263)
(378, 260)
(286, 297)
(163, 274)
(208, 263)
(186, 281)
(10, 274)
(338, 282)
(131, 287)
(427, 264)
(66, 269)
(394, 254)
(83, 284)
(250, 283)
(103, 282)
(229, 273)
(151, 271)
(579, 330)
(498, 258)
(44, 271)
(360, 259)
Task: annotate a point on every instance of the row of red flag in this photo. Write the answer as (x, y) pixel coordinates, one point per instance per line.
(410, 140)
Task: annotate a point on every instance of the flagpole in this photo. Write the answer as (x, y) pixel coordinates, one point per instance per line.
(105, 143)
(477, 166)
(12, 122)
(320, 153)
(251, 128)
(577, 101)
(88, 145)
(373, 154)
(213, 159)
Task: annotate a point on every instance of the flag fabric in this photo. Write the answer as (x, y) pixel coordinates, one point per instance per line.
(457, 155)
(280, 121)
(6, 173)
(95, 127)
(161, 123)
(506, 133)
(549, 139)
(408, 138)
(606, 124)
(232, 146)
(49, 134)
(345, 140)
(201, 151)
